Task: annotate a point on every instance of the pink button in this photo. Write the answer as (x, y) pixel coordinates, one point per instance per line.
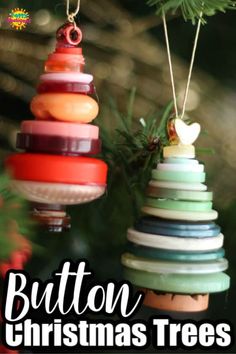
(75, 130)
(69, 77)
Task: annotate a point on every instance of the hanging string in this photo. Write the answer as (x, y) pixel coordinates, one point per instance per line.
(191, 65)
(170, 63)
(171, 66)
(71, 15)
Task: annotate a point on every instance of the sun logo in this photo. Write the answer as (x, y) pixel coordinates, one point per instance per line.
(18, 18)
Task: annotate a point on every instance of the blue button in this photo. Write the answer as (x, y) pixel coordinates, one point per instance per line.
(155, 253)
(157, 226)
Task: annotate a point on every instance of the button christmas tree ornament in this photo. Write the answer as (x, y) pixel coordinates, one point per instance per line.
(57, 167)
(175, 252)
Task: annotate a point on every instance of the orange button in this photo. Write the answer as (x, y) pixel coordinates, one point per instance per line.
(58, 169)
(176, 302)
(67, 107)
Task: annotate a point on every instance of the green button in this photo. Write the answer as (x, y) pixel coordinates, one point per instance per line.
(180, 215)
(178, 194)
(162, 267)
(180, 160)
(178, 176)
(178, 205)
(179, 283)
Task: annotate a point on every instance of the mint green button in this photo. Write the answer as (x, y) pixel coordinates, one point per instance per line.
(158, 266)
(179, 283)
(178, 205)
(178, 194)
(180, 160)
(178, 176)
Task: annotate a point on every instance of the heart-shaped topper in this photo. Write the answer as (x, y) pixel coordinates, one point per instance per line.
(187, 134)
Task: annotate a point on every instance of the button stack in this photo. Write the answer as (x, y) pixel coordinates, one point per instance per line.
(56, 169)
(175, 253)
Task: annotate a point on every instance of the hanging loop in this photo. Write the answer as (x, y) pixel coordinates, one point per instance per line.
(71, 15)
(191, 66)
(171, 65)
(70, 18)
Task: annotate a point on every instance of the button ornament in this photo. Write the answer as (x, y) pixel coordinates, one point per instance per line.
(58, 167)
(174, 252)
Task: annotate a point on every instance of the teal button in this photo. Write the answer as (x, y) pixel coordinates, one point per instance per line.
(156, 226)
(169, 255)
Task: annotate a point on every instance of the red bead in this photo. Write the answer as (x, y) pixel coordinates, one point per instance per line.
(68, 34)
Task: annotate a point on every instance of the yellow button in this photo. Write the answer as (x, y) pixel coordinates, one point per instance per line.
(182, 151)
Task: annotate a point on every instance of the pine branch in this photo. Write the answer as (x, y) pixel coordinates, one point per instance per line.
(13, 209)
(133, 153)
(192, 9)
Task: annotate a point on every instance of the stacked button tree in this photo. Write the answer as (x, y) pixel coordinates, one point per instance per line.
(174, 251)
(57, 168)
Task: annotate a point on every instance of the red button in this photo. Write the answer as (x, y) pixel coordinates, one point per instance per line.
(58, 169)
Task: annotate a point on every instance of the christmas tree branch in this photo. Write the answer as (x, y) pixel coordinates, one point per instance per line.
(13, 211)
(192, 9)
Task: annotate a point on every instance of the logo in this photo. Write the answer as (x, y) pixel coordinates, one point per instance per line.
(18, 18)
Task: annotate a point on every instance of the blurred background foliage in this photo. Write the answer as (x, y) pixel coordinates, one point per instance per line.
(124, 48)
